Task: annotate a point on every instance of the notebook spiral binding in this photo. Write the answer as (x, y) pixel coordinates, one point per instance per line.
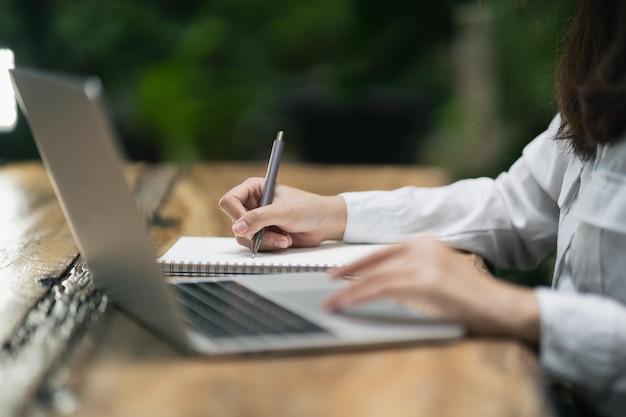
(203, 269)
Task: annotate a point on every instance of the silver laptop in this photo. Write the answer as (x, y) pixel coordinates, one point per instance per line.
(218, 315)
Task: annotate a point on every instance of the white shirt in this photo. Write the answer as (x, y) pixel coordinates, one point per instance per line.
(549, 199)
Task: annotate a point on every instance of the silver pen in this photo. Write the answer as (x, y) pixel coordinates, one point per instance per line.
(270, 182)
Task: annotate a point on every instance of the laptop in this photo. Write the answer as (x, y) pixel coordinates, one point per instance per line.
(214, 315)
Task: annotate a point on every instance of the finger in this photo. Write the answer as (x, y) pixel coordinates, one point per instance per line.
(369, 261)
(271, 240)
(242, 198)
(400, 291)
(368, 289)
(415, 248)
(276, 239)
(252, 221)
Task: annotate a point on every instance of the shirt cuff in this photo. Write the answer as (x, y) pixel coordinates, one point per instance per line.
(580, 338)
(372, 217)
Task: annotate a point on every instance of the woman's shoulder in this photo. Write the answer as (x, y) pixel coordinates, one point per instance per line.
(612, 157)
(546, 146)
(548, 159)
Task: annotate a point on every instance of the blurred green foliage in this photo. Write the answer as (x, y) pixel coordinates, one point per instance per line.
(181, 76)
(527, 42)
(205, 79)
(524, 40)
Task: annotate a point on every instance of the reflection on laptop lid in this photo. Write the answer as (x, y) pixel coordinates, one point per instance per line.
(213, 315)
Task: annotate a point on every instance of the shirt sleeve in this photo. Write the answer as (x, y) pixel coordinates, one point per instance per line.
(583, 341)
(511, 220)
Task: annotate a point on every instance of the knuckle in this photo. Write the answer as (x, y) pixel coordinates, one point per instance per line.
(224, 202)
(252, 181)
(252, 217)
(256, 218)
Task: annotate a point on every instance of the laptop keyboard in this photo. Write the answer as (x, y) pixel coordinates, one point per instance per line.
(224, 309)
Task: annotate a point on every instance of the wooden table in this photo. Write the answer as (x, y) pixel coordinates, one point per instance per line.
(67, 352)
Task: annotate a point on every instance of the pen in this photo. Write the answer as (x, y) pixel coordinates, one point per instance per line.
(268, 189)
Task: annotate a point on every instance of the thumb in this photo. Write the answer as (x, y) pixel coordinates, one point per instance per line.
(254, 220)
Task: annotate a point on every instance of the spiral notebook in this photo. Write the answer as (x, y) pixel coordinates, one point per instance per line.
(203, 256)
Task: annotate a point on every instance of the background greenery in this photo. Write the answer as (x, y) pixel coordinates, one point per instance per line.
(182, 78)
(214, 79)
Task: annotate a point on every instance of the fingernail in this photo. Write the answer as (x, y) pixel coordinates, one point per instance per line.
(331, 304)
(281, 243)
(240, 227)
(328, 305)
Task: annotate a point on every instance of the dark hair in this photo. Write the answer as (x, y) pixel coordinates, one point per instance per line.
(591, 77)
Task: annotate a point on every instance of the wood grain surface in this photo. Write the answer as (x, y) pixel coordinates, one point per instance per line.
(133, 374)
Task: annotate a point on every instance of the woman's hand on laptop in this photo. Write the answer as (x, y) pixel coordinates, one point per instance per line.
(428, 273)
(295, 217)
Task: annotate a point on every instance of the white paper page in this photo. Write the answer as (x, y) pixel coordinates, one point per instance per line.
(224, 250)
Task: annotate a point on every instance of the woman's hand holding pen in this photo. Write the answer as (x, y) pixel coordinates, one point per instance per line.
(428, 272)
(425, 270)
(296, 217)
